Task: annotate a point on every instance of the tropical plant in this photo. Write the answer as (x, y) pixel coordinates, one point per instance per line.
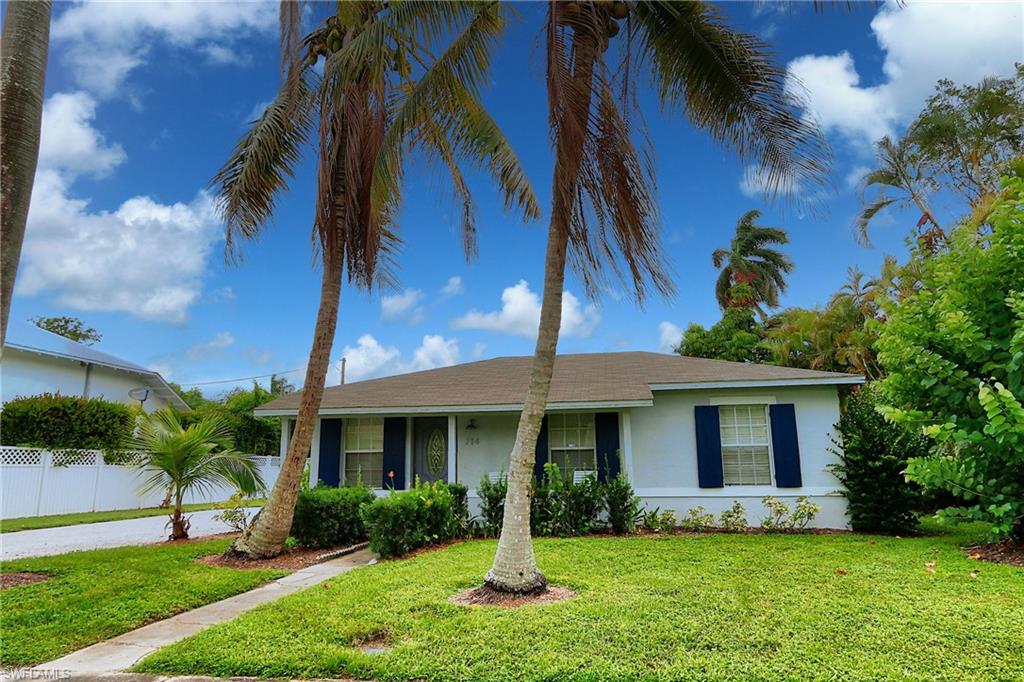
(603, 215)
(69, 327)
(621, 503)
(736, 337)
(752, 273)
(955, 355)
(23, 52)
(697, 520)
(196, 458)
(367, 112)
(733, 519)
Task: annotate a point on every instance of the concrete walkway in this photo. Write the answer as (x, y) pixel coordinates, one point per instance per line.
(47, 541)
(126, 650)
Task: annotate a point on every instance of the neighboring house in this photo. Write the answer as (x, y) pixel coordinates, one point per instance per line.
(687, 431)
(37, 361)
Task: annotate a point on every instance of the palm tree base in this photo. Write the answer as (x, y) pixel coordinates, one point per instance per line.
(534, 584)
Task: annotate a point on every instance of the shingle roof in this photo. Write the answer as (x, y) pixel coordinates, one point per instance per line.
(585, 378)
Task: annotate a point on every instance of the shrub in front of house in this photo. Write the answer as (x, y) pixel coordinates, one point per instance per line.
(56, 421)
(697, 520)
(564, 508)
(460, 507)
(329, 517)
(621, 504)
(657, 521)
(873, 454)
(403, 521)
(779, 518)
(734, 519)
(492, 504)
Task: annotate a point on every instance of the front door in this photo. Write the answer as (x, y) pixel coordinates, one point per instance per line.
(430, 448)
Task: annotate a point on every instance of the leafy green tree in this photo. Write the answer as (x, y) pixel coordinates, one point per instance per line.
(753, 274)
(68, 327)
(197, 458)
(955, 356)
(736, 337)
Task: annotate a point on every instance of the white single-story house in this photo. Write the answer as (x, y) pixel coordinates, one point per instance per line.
(37, 361)
(686, 431)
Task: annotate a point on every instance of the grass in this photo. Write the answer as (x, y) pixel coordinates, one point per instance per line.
(99, 594)
(767, 607)
(55, 520)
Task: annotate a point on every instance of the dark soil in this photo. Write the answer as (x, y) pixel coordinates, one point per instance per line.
(289, 560)
(486, 596)
(1005, 552)
(23, 578)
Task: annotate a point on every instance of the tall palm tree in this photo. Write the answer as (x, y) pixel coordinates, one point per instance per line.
(366, 112)
(899, 170)
(603, 216)
(860, 293)
(26, 40)
(750, 263)
(197, 458)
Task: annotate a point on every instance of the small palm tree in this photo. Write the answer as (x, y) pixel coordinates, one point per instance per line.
(196, 458)
(753, 274)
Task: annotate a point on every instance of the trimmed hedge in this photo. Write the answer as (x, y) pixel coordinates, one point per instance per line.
(403, 521)
(329, 517)
(55, 421)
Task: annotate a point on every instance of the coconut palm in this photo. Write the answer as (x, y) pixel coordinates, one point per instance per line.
(860, 293)
(899, 170)
(197, 458)
(359, 119)
(603, 218)
(26, 40)
(752, 273)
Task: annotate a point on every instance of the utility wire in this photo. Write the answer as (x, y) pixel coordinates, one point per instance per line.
(229, 381)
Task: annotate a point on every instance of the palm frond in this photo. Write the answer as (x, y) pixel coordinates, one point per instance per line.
(866, 215)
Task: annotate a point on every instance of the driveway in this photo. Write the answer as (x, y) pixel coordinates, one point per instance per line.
(47, 541)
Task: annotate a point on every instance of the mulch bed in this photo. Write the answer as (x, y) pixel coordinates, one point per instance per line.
(485, 596)
(289, 560)
(1005, 552)
(23, 578)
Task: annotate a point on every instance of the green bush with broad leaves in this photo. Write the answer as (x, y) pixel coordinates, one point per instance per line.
(873, 454)
(621, 504)
(955, 356)
(330, 517)
(56, 421)
(403, 521)
(564, 508)
(492, 504)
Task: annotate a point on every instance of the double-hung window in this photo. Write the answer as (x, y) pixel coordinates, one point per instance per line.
(364, 451)
(746, 457)
(571, 442)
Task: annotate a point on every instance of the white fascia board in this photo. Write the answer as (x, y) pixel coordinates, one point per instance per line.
(760, 383)
(460, 409)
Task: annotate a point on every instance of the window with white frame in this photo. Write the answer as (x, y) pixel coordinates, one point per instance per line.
(746, 458)
(571, 442)
(364, 451)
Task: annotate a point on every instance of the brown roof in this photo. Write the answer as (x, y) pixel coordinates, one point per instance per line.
(583, 378)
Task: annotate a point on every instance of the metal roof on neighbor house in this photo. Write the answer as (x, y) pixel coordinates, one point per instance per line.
(579, 380)
(31, 339)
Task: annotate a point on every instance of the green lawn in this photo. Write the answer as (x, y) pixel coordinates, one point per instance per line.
(99, 594)
(54, 520)
(658, 608)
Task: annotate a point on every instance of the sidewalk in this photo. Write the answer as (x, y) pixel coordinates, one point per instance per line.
(126, 650)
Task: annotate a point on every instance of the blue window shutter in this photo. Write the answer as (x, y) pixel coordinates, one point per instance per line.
(329, 468)
(785, 447)
(541, 453)
(606, 438)
(394, 452)
(709, 447)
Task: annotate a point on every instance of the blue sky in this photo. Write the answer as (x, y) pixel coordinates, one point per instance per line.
(146, 100)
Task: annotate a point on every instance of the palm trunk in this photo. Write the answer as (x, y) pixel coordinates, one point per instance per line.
(266, 536)
(26, 38)
(179, 526)
(515, 568)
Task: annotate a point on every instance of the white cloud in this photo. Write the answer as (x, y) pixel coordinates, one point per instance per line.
(369, 359)
(403, 306)
(258, 356)
(210, 349)
(922, 42)
(669, 337)
(103, 42)
(520, 315)
(221, 295)
(68, 141)
(479, 348)
(145, 258)
(453, 287)
(257, 110)
(219, 54)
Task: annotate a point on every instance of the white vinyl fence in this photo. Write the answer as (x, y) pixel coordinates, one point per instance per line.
(37, 482)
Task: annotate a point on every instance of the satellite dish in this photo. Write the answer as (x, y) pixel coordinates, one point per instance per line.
(140, 394)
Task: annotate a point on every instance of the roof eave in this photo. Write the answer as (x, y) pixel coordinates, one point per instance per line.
(850, 379)
(455, 409)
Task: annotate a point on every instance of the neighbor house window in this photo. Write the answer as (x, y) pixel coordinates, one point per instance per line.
(571, 442)
(364, 451)
(745, 454)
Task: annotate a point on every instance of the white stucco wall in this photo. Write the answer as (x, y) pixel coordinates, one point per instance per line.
(24, 374)
(485, 448)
